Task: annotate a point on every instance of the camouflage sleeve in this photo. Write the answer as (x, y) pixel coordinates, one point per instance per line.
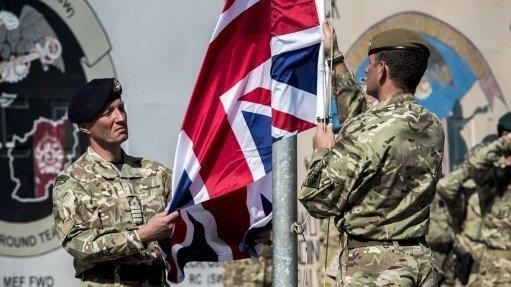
(485, 159)
(336, 178)
(78, 224)
(167, 185)
(450, 189)
(349, 96)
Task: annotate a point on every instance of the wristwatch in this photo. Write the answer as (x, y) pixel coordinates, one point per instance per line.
(338, 58)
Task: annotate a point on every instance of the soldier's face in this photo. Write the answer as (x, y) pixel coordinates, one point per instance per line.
(372, 76)
(111, 127)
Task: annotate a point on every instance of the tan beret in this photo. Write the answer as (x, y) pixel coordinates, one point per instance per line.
(397, 39)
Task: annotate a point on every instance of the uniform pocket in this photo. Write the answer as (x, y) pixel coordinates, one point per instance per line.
(115, 212)
(151, 198)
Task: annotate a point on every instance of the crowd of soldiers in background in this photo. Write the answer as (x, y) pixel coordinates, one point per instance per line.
(470, 228)
(471, 215)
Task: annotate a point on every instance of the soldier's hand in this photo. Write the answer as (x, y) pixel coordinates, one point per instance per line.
(330, 39)
(324, 137)
(160, 226)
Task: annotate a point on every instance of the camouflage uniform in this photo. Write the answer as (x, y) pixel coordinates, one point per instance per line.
(441, 239)
(461, 229)
(249, 272)
(329, 248)
(489, 169)
(466, 238)
(97, 208)
(332, 251)
(491, 172)
(378, 180)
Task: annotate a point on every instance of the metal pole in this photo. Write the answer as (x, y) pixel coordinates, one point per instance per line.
(285, 263)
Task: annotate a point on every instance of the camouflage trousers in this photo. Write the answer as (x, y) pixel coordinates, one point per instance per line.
(388, 265)
(495, 270)
(248, 272)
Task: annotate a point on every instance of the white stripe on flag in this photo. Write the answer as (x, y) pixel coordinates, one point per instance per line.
(207, 219)
(185, 160)
(257, 78)
(254, 202)
(279, 133)
(294, 41)
(255, 108)
(290, 100)
(203, 216)
(238, 7)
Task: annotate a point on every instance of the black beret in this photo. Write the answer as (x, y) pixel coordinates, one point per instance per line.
(398, 39)
(92, 98)
(505, 122)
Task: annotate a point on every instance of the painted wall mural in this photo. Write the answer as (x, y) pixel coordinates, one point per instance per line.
(47, 50)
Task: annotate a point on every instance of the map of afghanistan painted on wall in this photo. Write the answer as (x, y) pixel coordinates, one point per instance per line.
(455, 67)
(47, 50)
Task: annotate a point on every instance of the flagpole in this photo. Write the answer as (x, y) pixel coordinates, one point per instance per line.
(285, 263)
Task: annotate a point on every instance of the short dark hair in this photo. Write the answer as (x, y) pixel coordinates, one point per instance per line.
(501, 130)
(406, 67)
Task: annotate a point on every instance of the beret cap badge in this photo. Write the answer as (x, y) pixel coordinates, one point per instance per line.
(117, 86)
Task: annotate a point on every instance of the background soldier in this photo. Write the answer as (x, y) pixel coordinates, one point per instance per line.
(378, 177)
(487, 240)
(248, 272)
(108, 206)
(453, 240)
(441, 239)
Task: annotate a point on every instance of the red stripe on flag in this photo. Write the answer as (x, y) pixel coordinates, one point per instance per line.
(179, 231)
(224, 166)
(177, 238)
(259, 96)
(288, 16)
(242, 46)
(232, 219)
(289, 122)
(228, 4)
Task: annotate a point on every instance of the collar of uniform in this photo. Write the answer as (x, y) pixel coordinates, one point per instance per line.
(401, 97)
(108, 170)
(131, 166)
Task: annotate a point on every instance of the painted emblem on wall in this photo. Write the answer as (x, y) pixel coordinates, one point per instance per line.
(47, 50)
(456, 69)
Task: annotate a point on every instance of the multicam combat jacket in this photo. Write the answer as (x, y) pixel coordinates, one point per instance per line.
(379, 178)
(97, 208)
(491, 172)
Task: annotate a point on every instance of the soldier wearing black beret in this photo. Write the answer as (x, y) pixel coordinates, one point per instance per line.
(92, 98)
(109, 206)
(377, 178)
(504, 125)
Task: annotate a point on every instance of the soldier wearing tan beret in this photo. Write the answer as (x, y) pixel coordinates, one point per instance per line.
(377, 178)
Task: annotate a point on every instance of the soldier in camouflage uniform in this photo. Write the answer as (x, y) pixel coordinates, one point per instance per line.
(447, 236)
(378, 177)
(488, 242)
(249, 272)
(108, 206)
(458, 266)
(441, 239)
